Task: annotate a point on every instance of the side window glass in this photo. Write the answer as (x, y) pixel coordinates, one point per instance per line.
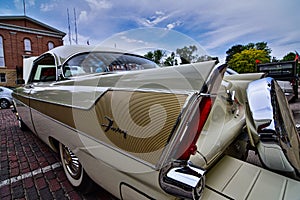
(74, 66)
(44, 70)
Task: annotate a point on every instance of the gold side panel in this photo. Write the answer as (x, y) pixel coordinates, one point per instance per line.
(137, 123)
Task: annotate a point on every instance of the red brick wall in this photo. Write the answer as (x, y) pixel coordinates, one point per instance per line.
(14, 50)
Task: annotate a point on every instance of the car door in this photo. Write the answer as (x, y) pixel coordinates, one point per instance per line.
(43, 74)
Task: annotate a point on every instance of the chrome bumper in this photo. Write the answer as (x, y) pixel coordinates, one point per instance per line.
(182, 180)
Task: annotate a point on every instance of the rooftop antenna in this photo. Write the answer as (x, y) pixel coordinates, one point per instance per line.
(69, 27)
(76, 38)
(24, 8)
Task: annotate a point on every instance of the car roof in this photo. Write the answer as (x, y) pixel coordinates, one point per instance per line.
(63, 52)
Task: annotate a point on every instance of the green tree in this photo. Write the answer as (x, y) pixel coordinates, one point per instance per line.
(234, 50)
(289, 57)
(170, 60)
(158, 54)
(246, 61)
(149, 55)
(155, 56)
(187, 54)
(239, 48)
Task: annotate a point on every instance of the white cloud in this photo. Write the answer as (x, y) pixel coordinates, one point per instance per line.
(31, 2)
(153, 20)
(83, 16)
(46, 7)
(173, 25)
(99, 4)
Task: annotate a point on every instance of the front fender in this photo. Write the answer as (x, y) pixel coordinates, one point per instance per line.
(272, 128)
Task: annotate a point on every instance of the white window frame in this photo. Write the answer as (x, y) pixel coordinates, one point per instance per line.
(27, 45)
(50, 45)
(2, 59)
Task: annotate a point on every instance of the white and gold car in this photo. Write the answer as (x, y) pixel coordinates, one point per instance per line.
(146, 132)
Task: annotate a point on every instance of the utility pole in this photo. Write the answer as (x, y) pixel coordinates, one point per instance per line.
(69, 27)
(76, 38)
(24, 8)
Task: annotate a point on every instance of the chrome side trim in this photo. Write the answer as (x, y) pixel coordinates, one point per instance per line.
(183, 180)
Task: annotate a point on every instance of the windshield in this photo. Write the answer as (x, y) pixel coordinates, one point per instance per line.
(97, 62)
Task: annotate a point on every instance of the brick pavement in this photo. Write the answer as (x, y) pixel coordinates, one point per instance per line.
(29, 169)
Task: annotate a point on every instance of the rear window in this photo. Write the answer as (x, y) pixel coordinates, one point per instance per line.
(98, 62)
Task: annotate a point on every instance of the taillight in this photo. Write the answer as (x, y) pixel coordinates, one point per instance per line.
(187, 145)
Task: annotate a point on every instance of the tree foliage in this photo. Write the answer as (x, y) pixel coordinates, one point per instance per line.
(155, 56)
(239, 48)
(246, 61)
(289, 57)
(187, 54)
(170, 60)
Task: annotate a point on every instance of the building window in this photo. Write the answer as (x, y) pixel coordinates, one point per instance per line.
(50, 45)
(2, 78)
(2, 63)
(27, 45)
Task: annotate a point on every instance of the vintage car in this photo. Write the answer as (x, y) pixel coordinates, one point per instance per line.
(146, 132)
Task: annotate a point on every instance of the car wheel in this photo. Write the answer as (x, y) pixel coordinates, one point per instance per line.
(4, 103)
(74, 170)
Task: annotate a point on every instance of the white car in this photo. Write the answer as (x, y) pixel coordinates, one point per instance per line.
(5, 97)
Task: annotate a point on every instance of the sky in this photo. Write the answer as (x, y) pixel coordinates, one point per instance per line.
(212, 25)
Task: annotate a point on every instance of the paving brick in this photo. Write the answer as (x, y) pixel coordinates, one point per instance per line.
(45, 193)
(15, 171)
(67, 186)
(40, 183)
(50, 175)
(18, 192)
(5, 191)
(54, 185)
(59, 194)
(31, 193)
(74, 195)
(28, 183)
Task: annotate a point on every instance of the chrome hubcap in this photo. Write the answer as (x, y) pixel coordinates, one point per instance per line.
(72, 163)
(4, 104)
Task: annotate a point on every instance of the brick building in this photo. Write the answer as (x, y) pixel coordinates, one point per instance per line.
(23, 37)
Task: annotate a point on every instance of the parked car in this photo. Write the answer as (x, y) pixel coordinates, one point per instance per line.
(288, 90)
(145, 132)
(286, 86)
(285, 73)
(5, 97)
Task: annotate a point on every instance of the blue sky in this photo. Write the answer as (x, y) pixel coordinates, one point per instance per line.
(214, 25)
